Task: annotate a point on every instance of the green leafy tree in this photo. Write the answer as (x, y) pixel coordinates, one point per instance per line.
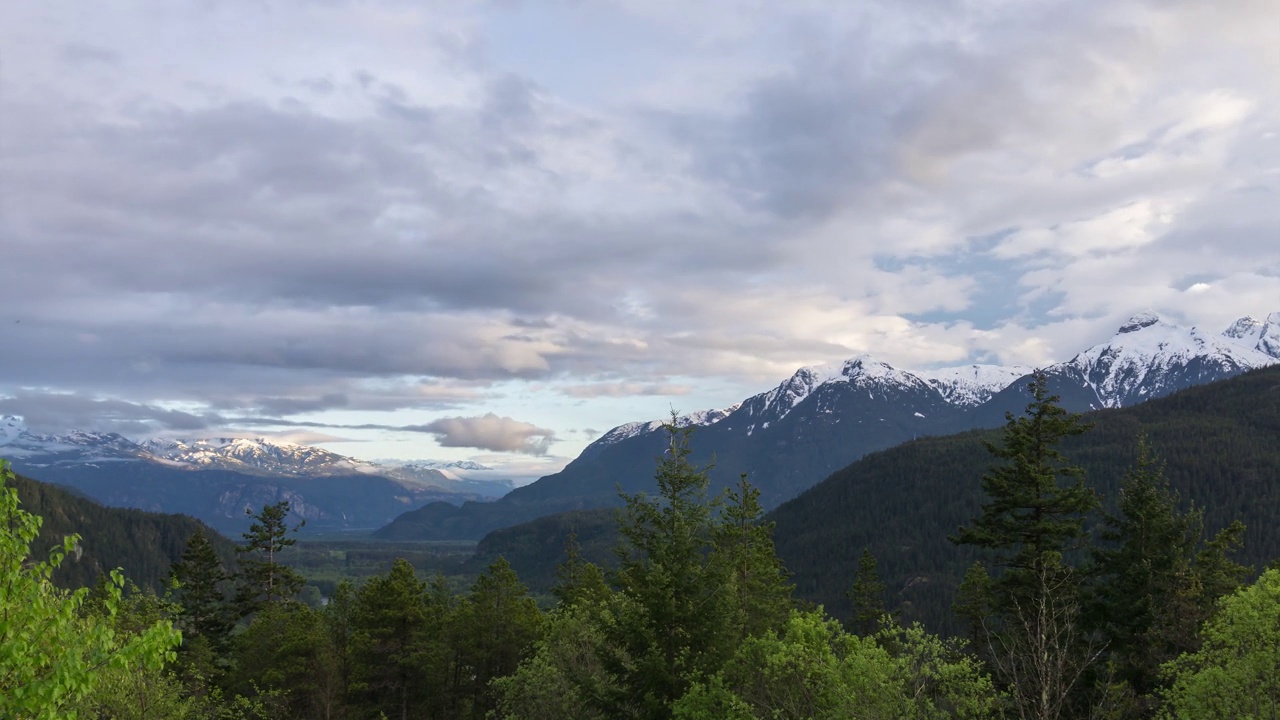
(1236, 673)
(867, 596)
(565, 676)
(51, 655)
(263, 579)
(814, 669)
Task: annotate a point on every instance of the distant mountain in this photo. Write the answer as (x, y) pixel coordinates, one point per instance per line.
(217, 479)
(824, 417)
(445, 465)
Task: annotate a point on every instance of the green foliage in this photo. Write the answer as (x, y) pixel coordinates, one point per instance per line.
(288, 649)
(814, 669)
(565, 676)
(263, 579)
(578, 581)
(1236, 673)
(200, 589)
(495, 628)
(51, 656)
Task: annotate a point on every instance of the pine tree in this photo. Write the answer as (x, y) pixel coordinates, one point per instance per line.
(745, 553)
(496, 627)
(578, 581)
(867, 595)
(1155, 585)
(201, 592)
(262, 579)
(1031, 518)
(675, 621)
(1035, 638)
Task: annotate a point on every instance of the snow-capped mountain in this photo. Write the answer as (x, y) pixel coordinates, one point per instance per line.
(1149, 358)
(824, 417)
(465, 465)
(216, 479)
(1260, 335)
(257, 456)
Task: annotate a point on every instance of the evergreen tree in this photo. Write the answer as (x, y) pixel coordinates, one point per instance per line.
(867, 595)
(201, 593)
(263, 580)
(578, 581)
(1155, 585)
(1030, 517)
(674, 622)
(1035, 638)
(396, 640)
(743, 549)
(495, 629)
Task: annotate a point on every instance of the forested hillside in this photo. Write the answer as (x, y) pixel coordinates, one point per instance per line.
(1220, 443)
(144, 544)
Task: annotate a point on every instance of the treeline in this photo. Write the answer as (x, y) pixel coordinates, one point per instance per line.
(1144, 614)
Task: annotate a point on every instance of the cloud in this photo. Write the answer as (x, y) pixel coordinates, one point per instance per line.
(490, 432)
(58, 412)
(625, 389)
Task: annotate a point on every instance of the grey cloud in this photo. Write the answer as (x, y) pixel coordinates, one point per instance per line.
(58, 412)
(295, 406)
(490, 432)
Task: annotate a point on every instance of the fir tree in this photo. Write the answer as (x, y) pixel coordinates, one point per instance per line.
(867, 596)
(201, 593)
(1030, 517)
(745, 553)
(262, 579)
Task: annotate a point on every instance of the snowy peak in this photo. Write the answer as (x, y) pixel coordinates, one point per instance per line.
(1149, 357)
(1262, 336)
(700, 418)
(1142, 320)
(971, 385)
(255, 456)
(444, 465)
(11, 428)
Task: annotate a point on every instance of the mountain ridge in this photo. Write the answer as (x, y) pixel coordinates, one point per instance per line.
(824, 417)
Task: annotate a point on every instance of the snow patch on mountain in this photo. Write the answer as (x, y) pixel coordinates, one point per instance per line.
(972, 385)
(700, 418)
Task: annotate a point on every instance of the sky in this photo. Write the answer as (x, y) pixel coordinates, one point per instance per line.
(494, 230)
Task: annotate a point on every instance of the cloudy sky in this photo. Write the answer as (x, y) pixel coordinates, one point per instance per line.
(493, 230)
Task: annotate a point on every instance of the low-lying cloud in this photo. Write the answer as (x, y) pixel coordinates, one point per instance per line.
(490, 432)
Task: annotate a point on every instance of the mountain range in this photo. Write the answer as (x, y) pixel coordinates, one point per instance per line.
(825, 417)
(216, 479)
(785, 439)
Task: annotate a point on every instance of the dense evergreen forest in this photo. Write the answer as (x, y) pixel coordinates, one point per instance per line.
(1071, 608)
(143, 544)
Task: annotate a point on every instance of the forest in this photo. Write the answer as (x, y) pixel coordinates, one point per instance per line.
(1072, 609)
